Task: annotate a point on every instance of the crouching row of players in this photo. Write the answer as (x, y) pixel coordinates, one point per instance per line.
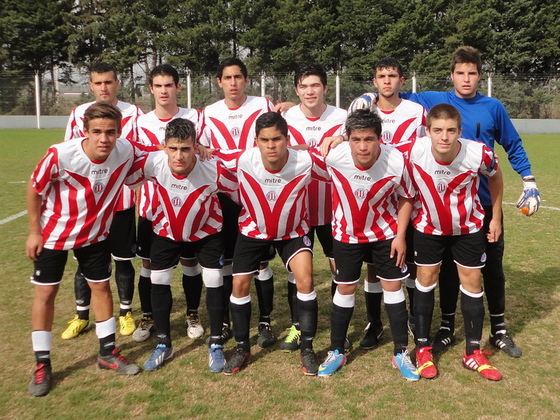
(374, 191)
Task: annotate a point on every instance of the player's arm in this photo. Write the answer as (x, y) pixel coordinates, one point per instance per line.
(496, 187)
(329, 143)
(283, 106)
(398, 245)
(34, 243)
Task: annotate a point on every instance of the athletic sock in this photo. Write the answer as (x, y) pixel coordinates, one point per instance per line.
(162, 302)
(215, 308)
(308, 313)
(83, 314)
(448, 322)
(228, 287)
(145, 293)
(292, 300)
(43, 357)
(241, 316)
(264, 284)
(342, 310)
(472, 307)
(497, 324)
(124, 277)
(105, 331)
(395, 305)
(192, 286)
(410, 284)
(107, 345)
(373, 293)
(423, 311)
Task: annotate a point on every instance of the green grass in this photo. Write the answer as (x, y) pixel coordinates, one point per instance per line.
(272, 386)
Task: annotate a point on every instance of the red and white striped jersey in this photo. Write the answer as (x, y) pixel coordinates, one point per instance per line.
(365, 201)
(189, 209)
(274, 204)
(80, 196)
(151, 131)
(130, 112)
(447, 198)
(312, 131)
(232, 128)
(405, 123)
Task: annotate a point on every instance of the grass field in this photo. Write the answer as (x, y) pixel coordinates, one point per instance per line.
(272, 386)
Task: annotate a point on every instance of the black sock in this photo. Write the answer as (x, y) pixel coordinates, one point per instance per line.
(107, 345)
(423, 311)
(265, 294)
(124, 277)
(497, 323)
(228, 287)
(162, 302)
(215, 308)
(473, 314)
(145, 294)
(398, 317)
(340, 319)
(82, 293)
(373, 307)
(43, 357)
(292, 302)
(448, 322)
(410, 291)
(192, 286)
(308, 312)
(84, 315)
(241, 317)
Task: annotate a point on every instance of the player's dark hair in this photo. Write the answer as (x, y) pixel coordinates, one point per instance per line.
(271, 119)
(180, 129)
(310, 69)
(100, 110)
(228, 62)
(466, 54)
(363, 119)
(103, 67)
(388, 63)
(443, 112)
(164, 70)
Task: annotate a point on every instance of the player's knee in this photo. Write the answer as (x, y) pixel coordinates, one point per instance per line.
(344, 300)
(162, 277)
(212, 277)
(191, 271)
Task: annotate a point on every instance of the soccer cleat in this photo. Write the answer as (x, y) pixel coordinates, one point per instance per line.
(227, 334)
(145, 327)
(75, 327)
(126, 324)
(308, 362)
(444, 337)
(425, 363)
(478, 361)
(266, 337)
(41, 381)
(159, 356)
(372, 335)
(117, 362)
(403, 363)
(216, 359)
(334, 361)
(504, 342)
(237, 362)
(292, 340)
(194, 329)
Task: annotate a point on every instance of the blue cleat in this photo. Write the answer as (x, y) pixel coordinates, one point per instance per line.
(334, 361)
(161, 354)
(403, 363)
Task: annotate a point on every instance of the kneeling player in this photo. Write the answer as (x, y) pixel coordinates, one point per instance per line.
(188, 219)
(445, 170)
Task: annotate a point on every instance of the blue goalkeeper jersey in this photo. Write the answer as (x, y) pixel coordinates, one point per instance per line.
(484, 119)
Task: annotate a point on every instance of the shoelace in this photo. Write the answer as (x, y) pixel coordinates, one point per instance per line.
(40, 373)
(331, 356)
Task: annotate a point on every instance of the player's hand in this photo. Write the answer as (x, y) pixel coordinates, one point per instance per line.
(530, 199)
(398, 247)
(494, 230)
(34, 245)
(365, 101)
(283, 106)
(203, 152)
(329, 143)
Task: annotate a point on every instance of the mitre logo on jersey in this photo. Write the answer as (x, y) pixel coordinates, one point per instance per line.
(271, 196)
(235, 116)
(98, 188)
(363, 178)
(313, 128)
(442, 172)
(386, 137)
(360, 193)
(235, 132)
(179, 187)
(176, 201)
(272, 181)
(98, 173)
(441, 187)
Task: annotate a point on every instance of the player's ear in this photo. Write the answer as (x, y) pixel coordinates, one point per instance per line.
(178, 86)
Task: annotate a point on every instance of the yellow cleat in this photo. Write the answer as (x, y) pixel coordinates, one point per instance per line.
(75, 327)
(126, 323)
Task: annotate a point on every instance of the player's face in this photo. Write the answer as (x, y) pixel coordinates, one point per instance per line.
(273, 146)
(311, 91)
(465, 79)
(233, 83)
(101, 138)
(165, 90)
(181, 156)
(104, 87)
(364, 147)
(387, 81)
(444, 134)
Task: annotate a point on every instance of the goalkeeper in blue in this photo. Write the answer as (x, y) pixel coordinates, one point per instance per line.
(484, 119)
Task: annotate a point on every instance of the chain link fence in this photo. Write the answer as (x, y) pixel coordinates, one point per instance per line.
(525, 96)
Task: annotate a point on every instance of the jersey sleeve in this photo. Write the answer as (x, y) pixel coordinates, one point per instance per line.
(319, 168)
(47, 170)
(70, 134)
(489, 164)
(229, 158)
(227, 181)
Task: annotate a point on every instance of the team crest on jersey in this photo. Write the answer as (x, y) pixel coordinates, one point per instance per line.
(386, 137)
(306, 241)
(176, 201)
(235, 132)
(441, 187)
(312, 142)
(404, 268)
(98, 187)
(360, 193)
(271, 196)
(483, 258)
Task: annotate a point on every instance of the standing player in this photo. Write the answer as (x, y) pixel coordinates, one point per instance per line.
(486, 120)
(446, 172)
(401, 121)
(104, 84)
(372, 204)
(229, 124)
(309, 123)
(71, 200)
(165, 86)
(273, 192)
(188, 218)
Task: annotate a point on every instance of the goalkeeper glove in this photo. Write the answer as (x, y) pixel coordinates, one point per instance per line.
(530, 199)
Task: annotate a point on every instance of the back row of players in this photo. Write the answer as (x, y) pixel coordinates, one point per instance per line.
(167, 235)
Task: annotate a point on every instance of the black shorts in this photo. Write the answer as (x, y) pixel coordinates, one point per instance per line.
(249, 252)
(94, 261)
(324, 234)
(166, 252)
(145, 238)
(349, 257)
(230, 229)
(409, 246)
(468, 250)
(122, 234)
